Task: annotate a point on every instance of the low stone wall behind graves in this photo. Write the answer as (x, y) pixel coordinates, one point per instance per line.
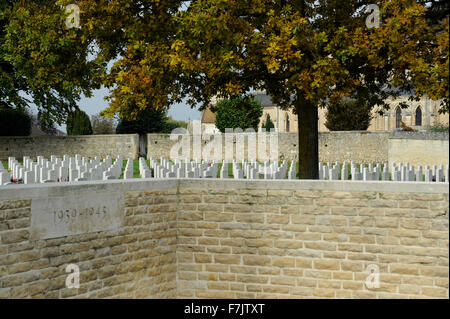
(126, 145)
(225, 239)
(358, 146)
(419, 148)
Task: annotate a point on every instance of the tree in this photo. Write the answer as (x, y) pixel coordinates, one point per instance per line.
(172, 124)
(78, 123)
(304, 54)
(268, 124)
(238, 112)
(45, 124)
(413, 41)
(44, 62)
(149, 121)
(102, 125)
(138, 37)
(348, 115)
(14, 122)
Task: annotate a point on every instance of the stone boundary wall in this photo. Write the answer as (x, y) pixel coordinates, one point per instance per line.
(359, 146)
(311, 239)
(235, 239)
(137, 260)
(421, 135)
(419, 148)
(126, 145)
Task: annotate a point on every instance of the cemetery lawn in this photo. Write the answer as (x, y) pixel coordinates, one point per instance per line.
(135, 168)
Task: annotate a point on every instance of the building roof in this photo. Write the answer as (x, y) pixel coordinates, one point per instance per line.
(208, 116)
(264, 99)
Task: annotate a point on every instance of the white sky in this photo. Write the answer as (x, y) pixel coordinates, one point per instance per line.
(97, 103)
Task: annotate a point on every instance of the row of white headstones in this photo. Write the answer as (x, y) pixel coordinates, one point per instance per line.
(78, 168)
(275, 170)
(66, 169)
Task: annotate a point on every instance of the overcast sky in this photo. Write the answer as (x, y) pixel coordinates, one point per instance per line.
(97, 103)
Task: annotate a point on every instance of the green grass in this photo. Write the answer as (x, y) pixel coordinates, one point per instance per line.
(135, 168)
(5, 164)
(230, 170)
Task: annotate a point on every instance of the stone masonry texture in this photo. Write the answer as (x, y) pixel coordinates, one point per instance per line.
(359, 146)
(126, 145)
(238, 239)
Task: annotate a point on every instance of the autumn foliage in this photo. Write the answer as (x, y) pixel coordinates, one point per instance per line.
(304, 54)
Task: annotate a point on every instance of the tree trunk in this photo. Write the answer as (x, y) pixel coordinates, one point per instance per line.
(308, 139)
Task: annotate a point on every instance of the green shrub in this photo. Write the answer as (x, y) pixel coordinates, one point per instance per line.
(439, 128)
(268, 124)
(14, 122)
(238, 112)
(348, 115)
(149, 121)
(78, 123)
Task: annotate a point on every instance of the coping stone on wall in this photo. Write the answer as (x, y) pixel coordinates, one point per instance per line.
(424, 135)
(32, 191)
(15, 192)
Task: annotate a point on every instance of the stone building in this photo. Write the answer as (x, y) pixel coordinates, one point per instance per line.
(419, 115)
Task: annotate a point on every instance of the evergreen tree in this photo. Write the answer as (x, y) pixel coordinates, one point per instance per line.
(238, 112)
(14, 122)
(78, 123)
(268, 124)
(348, 115)
(148, 121)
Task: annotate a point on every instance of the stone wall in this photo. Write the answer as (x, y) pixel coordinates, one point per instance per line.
(137, 260)
(234, 239)
(311, 240)
(359, 146)
(126, 145)
(419, 148)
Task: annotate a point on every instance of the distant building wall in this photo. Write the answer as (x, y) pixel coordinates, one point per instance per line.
(418, 114)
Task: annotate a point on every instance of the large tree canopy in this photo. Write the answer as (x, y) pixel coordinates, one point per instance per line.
(303, 53)
(138, 35)
(43, 59)
(306, 53)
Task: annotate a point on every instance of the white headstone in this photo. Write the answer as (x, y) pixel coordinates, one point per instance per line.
(28, 177)
(5, 177)
(428, 175)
